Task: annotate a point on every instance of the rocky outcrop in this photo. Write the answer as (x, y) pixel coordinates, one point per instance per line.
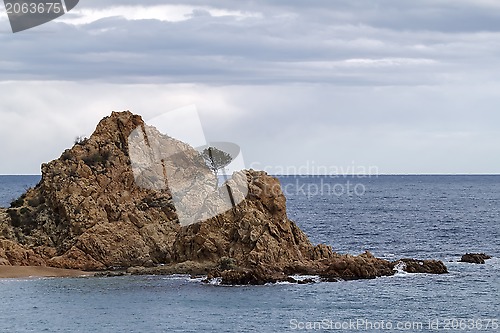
(475, 258)
(11, 253)
(89, 212)
(423, 266)
(364, 266)
(256, 233)
(336, 268)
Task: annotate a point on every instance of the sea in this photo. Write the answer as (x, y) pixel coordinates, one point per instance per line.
(400, 216)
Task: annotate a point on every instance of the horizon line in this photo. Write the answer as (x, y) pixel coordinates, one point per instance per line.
(344, 174)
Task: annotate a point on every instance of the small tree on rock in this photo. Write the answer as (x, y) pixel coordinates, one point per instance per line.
(216, 160)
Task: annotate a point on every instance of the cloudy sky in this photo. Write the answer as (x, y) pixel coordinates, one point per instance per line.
(403, 86)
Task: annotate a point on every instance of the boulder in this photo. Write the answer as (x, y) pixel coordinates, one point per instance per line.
(13, 254)
(348, 267)
(423, 266)
(475, 258)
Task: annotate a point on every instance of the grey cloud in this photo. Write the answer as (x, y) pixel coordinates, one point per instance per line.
(448, 16)
(406, 86)
(271, 49)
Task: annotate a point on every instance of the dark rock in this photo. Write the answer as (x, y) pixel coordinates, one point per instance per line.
(110, 273)
(475, 258)
(423, 266)
(364, 266)
(188, 267)
(245, 277)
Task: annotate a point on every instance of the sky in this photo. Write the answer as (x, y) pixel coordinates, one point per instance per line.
(400, 87)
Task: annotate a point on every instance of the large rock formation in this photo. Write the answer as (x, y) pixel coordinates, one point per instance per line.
(89, 213)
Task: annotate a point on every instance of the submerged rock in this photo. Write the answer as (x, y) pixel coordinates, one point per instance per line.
(88, 212)
(475, 258)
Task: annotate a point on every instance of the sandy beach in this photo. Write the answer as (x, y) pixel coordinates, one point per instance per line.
(38, 271)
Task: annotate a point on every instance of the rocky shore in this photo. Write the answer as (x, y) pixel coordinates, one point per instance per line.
(87, 213)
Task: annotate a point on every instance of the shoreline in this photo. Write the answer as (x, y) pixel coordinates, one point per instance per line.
(16, 272)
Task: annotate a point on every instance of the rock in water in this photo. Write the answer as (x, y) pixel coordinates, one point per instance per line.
(90, 212)
(475, 258)
(423, 266)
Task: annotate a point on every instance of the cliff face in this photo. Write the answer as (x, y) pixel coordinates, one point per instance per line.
(256, 232)
(88, 212)
(94, 209)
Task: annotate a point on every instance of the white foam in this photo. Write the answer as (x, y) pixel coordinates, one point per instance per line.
(315, 278)
(400, 268)
(215, 281)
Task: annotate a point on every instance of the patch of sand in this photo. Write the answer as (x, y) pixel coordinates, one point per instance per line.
(38, 271)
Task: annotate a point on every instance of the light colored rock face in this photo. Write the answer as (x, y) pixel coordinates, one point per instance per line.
(88, 211)
(158, 164)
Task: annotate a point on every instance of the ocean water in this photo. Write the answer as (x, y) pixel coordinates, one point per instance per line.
(11, 187)
(438, 217)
